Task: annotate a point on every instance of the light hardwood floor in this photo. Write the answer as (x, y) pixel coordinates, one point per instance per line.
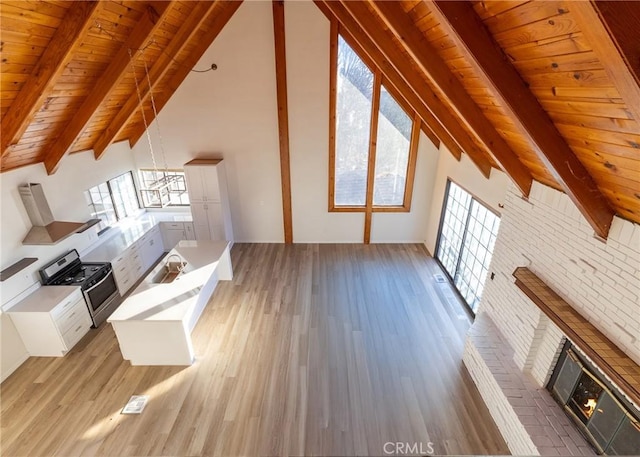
(310, 350)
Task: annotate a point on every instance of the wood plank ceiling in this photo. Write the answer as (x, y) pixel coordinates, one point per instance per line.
(66, 75)
(543, 90)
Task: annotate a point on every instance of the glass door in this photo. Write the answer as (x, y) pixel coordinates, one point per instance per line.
(467, 237)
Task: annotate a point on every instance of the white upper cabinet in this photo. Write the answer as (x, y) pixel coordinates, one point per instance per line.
(207, 187)
(203, 183)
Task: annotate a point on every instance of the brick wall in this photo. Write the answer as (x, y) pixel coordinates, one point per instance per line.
(600, 279)
(529, 419)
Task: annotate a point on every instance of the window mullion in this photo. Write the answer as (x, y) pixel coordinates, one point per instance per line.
(371, 164)
(465, 232)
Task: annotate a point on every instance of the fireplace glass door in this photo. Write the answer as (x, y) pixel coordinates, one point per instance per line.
(606, 421)
(585, 397)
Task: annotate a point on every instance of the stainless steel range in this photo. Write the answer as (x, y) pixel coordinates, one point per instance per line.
(95, 280)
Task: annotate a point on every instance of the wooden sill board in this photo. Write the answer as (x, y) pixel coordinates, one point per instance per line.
(615, 363)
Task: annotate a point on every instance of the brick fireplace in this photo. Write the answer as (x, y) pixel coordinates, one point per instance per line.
(513, 346)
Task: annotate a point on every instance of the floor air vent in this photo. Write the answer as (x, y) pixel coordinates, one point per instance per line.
(135, 405)
(439, 278)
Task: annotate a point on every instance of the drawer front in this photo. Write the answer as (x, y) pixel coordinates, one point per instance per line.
(136, 260)
(137, 270)
(123, 279)
(66, 321)
(68, 303)
(173, 225)
(77, 330)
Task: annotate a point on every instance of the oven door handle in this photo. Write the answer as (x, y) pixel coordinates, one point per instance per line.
(99, 282)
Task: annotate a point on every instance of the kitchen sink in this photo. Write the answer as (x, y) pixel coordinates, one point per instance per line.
(171, 272)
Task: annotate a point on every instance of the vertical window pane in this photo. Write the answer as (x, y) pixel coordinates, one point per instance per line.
(455, 219)
(353, 116)
(392, 152)
(101, 205)
(124, 195)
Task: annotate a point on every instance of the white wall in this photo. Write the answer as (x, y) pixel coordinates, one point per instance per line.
(490, 191)
(307, 47)
(231, 113)
(65, 195)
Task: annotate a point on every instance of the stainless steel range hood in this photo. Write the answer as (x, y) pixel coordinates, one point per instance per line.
(45, 229)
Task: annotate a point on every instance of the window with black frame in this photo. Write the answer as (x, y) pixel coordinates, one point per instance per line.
(162, 188)
(468, 232)
(113, 200)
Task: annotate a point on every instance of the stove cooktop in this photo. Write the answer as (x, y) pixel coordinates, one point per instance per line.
(69, 270)
(78, 276)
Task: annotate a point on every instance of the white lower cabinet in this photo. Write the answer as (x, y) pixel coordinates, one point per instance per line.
(173, 232)
(51, 320)
(131, 265)
(123, 271)
(151, 247)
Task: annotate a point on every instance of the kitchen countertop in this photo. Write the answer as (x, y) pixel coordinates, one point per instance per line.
(43, 299)
(128, 232)
(173, 301)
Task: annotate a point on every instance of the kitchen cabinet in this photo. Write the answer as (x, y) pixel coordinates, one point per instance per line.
(123, 270)
(135, 260)
(51, 320)
(151, 247)
(209, 200)
(173, 232)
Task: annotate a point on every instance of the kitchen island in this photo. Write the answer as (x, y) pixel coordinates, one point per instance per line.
(154, 324)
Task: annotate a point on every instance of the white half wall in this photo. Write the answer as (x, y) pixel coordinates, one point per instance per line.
(65, 194)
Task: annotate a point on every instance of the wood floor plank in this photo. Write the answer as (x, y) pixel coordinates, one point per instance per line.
(310, 350)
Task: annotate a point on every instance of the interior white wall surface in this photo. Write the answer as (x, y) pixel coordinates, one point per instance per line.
(231, 113)
(490, 191)
(307, 47)
(65, 194)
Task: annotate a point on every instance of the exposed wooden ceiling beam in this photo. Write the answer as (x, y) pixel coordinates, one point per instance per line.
(501, 77)
(611, 28)
(398, 70)
(73, 28)
(159, 69)
(221, 16)
(144, 29)
(438, 72)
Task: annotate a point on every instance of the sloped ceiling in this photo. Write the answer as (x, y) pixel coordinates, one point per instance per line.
(67, 81)
(543, 90)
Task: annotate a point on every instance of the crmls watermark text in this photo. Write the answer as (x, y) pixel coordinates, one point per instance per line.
(402, 448)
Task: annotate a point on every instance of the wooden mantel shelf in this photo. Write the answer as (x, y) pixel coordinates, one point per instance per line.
(616, 364)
